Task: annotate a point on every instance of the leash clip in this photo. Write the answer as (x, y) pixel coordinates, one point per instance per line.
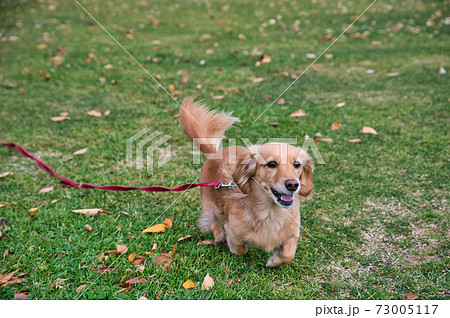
(226, 185)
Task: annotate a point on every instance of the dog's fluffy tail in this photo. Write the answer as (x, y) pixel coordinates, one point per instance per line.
(204, 127)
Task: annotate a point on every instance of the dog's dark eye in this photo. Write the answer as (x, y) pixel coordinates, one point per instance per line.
(272, 164)
(297, 164)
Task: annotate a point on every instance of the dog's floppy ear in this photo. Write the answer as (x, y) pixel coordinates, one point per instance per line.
(306, 178)
(245, 169)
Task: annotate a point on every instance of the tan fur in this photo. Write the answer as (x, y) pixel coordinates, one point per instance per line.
(249, 211)
(199, 123)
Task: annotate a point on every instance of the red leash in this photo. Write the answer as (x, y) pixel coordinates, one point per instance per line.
(183, 187)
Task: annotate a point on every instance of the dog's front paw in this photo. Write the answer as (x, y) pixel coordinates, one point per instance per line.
(273, 261)
(221, 239)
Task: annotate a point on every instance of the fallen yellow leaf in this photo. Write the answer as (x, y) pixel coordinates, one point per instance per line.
(155, 228)
(335, 126)
(34, 209)
(168, 223)
(131, 257)
(188, 284)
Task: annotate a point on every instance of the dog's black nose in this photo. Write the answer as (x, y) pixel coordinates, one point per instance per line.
(292, 185)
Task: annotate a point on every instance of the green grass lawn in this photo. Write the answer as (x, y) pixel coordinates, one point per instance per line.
(377, 224)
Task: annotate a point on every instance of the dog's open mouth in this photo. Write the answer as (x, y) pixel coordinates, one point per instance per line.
(283, 198)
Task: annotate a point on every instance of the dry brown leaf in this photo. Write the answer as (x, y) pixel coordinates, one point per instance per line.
(13, 281)
(134, 281)
(355, 141)
(139, 260)
(274, 124)
(368, 130)
(258, 80)
(45, 190)
(20, 296)
(131, 257)
(188, 284)
(155, 228)
(59, 282)
(143, 298)
(80, 151)
(168, 223)
(171, 88)
(184, 237)
(311, 56)
(107, 113)
(281, 101)
(68, 159)
(59, 118)
(80, 288)
(90, 212)
(208, 282)
(5, 174)
(263, 59)
(10, 279)
(102, 269)
(206, 242)
(95, 112)
(6, 277)
(42, 46)
(154, 247)
(121, 248)
(298, 113)
(327, 140)
(5, 204)
(342, 104)
(335, 126)
(218, 97)
(411, 296)
(88, 228)
(34, 209)
(165, 258)
(392, 74)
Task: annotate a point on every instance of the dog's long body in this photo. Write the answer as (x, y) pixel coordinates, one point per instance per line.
(263, 208)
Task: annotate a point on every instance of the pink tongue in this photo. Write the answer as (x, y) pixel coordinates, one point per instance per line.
(286, 197)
